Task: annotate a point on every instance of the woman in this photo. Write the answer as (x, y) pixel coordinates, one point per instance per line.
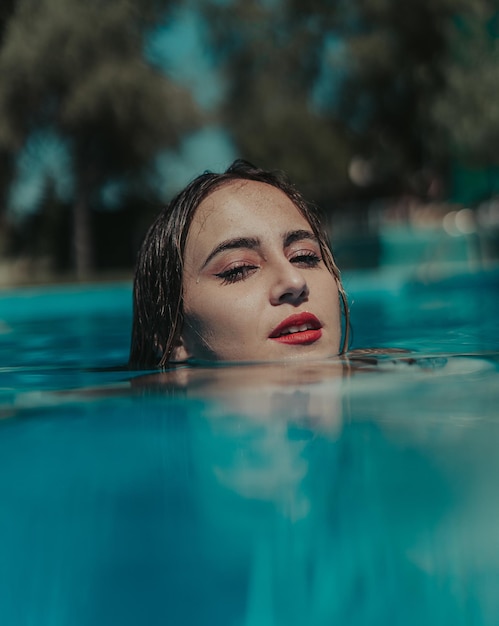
(237, 268)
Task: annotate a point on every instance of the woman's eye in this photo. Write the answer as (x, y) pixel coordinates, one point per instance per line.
(306, 259)
(237, 273)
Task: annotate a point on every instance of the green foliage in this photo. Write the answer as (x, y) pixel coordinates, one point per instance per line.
(272, 55)
(78, 68)
(407, 87)
(466, 111)
(394, 73)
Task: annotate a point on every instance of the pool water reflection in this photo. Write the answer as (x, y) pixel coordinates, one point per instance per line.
(358, 491)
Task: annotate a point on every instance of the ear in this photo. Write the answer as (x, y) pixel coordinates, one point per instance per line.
(179, 352)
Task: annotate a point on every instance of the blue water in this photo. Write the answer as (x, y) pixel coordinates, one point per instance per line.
(357, 493)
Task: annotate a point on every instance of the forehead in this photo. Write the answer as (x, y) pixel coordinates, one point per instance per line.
(242, 206)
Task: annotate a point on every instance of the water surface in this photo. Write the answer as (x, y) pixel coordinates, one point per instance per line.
(357, 491)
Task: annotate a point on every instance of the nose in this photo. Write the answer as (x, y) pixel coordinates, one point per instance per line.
(289, 285)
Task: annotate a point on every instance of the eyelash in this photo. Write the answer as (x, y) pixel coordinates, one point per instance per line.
(235, 274)
(241, 272)
(307, 259)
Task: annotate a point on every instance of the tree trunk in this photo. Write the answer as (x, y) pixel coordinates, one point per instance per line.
(82, 238)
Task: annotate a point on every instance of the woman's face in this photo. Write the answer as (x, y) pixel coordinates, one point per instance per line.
(255, 285)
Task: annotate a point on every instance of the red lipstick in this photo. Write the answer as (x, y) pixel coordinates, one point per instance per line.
(298, 329)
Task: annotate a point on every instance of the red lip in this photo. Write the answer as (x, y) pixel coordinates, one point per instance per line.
(301, 337)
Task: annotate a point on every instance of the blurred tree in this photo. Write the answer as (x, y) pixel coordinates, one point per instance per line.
(78, 69)
(394, 72)
(272, 55)
(466, 111)
(6, 10)
(366, 90)
(42, 236)
(6, 158)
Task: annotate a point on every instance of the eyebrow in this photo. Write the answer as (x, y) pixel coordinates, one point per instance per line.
(252, 243)
(299, 235)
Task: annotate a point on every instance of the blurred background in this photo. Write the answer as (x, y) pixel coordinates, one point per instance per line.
(384, 113)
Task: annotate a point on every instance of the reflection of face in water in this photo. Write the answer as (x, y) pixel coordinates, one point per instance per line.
(308, 393)
(258, 422)
(309, 514)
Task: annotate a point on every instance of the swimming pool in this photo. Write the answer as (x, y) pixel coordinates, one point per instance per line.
(252, 495)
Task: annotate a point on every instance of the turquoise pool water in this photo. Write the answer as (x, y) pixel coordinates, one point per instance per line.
(326, 493)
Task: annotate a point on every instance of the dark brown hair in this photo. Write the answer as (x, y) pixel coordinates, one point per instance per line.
(158, 305)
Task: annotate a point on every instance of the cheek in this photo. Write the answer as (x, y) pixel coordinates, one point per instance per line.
(324, 289)
(213, 319)
(329, 303)
(220, 307)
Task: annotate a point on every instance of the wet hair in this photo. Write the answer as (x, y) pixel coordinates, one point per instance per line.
(158, 313)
